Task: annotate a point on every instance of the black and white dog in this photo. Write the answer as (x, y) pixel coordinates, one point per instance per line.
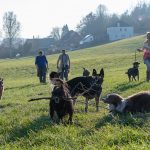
(139, 102)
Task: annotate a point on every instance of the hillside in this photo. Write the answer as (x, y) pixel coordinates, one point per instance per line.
(25, 125)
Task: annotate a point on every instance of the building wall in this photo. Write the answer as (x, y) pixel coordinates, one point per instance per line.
(117, 33)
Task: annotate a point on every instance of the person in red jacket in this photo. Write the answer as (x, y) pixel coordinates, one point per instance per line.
(146, 56)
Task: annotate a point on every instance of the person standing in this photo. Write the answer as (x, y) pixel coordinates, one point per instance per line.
(41, 64)
(146, 56)
(63, 65)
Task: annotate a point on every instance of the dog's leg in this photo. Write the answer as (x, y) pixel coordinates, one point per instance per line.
(129, 78)
(70, 118)
(138, 77)
(74, 101)
(86, 105)
(97, 103)
(134, 78)
(51, 110)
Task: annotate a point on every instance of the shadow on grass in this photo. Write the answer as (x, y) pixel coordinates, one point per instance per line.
(35, 126)
(126, 86)
(9, 105)
(24, 86)
(136, 120)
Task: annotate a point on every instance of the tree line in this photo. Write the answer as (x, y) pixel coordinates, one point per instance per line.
(94, 23)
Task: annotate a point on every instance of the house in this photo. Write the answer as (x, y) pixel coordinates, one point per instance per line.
(119, 31)
(87, 39)
(70, 40)
(40, 43)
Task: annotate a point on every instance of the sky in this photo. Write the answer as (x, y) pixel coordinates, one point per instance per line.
(38, 17)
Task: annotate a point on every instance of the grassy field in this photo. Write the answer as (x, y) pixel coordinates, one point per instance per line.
(25, 125)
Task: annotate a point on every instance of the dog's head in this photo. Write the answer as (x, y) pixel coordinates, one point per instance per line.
(113, 100)
(136, 64)
(54, 76)
(86, 72)
(98, 78)
(60, 94)
(95, 74)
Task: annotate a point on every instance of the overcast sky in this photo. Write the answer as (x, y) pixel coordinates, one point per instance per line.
(38, 17)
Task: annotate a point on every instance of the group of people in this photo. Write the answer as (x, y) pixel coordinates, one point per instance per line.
(63, 66)
(63, 62)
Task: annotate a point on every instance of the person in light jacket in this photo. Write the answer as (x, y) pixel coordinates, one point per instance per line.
(63, 65)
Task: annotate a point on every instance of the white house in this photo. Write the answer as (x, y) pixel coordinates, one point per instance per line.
(87, 39)
(119, 32)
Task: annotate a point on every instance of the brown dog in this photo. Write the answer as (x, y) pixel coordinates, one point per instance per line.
(139, 102)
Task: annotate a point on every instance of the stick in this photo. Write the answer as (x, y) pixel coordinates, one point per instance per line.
(41, 98)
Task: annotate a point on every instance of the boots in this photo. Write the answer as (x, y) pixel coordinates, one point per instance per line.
(147, 76)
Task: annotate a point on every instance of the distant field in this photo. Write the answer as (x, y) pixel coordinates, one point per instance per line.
(26, 125)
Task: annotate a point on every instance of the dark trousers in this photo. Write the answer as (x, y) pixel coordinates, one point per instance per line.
(64, 73)
(42, 74)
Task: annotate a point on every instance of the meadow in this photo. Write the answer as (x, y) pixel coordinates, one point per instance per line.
(25, 125)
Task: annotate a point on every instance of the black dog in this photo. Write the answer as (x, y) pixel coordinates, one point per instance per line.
(139, 102)
(60, 102)
(133, 72)
(86, 72)
(90, 87)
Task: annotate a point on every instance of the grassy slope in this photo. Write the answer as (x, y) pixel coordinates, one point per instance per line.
(26, 125)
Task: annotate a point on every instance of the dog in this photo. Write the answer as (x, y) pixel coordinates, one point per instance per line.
(86, 72)
(139, 102)
(60, 102)
(89, 87)
(133, 72)
(1, 88)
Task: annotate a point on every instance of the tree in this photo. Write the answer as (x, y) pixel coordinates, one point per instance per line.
(56, 33)
(65, 30)
(11, 28)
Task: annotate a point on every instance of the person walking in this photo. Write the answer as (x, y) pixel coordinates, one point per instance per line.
(146, 56)
(63, 65)
(41, 64)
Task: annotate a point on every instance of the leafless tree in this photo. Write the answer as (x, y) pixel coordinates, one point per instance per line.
(11, 28)
(56, 33)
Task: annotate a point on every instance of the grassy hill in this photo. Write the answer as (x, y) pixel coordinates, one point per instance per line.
(25, 125)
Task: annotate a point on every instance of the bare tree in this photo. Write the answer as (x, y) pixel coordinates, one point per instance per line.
(11, 28)
(56, 33)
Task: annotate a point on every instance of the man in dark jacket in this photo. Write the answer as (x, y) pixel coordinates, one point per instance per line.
(42, 66)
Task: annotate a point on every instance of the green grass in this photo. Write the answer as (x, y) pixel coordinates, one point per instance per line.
(25, 125)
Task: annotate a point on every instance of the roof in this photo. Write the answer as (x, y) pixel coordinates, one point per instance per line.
(41, 43)
(120, 24)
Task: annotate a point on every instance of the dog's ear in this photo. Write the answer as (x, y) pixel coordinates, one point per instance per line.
(94, 72)
(101, 74)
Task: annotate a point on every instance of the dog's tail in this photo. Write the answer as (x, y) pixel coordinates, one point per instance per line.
(41, 98)
(126, 72)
